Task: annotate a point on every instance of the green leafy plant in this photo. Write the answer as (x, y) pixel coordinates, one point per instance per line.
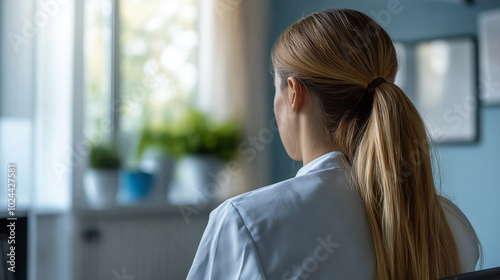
(104, 156)
(193, 133)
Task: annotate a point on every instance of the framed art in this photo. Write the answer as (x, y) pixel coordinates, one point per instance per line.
(489, 57)
(444, 91)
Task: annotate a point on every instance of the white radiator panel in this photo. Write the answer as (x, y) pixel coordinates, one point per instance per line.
(149, 248)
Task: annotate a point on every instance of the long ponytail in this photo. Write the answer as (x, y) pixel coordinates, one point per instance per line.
(336, 53)
(393, 171)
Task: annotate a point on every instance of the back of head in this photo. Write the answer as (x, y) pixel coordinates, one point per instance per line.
(336, 54)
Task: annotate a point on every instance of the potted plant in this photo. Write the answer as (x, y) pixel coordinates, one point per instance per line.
(101, 178)
(156, 160)
(201, 146)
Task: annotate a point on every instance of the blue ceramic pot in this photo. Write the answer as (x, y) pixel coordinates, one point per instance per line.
(136, 185)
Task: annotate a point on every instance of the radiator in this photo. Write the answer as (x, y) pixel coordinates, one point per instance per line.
(138, 248)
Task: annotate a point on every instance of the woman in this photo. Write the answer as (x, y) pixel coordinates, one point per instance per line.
(364, 205)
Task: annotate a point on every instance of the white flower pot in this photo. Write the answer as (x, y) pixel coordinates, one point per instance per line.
(162, 168)
(101, 187)
(195, 180)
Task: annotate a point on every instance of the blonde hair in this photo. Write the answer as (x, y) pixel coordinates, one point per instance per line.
(336, 53)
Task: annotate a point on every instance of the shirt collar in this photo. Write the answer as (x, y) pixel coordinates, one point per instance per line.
(327, 161)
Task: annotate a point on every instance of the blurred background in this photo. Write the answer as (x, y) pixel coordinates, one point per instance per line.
(128, 121)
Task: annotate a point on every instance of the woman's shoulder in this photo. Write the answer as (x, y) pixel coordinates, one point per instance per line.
(250, 210)
(465, 235)
(298, 198)
(291, 192)
(307, 211)
(259, 199)
(292, 189)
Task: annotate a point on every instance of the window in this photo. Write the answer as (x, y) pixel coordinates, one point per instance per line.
(97, 51)
(152, 68)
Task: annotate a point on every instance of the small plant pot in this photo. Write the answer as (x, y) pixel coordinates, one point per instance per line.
(195, 180)
(101, 187)
(136, 186)
(162, 169)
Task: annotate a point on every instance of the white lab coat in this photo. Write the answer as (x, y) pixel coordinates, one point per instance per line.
(312, 226)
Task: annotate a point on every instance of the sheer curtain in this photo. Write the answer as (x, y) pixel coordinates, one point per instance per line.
(35, 100)
(233, 73)
(36, 76)
(16, 100)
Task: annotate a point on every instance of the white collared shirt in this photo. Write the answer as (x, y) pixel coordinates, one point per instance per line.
(312, 226)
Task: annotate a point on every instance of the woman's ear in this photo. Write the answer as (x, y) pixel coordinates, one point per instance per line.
(296, 93)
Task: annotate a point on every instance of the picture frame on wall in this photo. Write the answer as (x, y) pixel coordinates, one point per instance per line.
(444, 88)
(489, 56)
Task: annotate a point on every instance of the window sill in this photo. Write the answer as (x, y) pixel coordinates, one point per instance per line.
(148, 210)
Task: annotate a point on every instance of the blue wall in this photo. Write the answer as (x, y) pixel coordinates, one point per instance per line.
(469, 173)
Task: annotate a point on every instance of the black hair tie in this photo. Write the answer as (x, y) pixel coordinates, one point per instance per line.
(374, 84)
